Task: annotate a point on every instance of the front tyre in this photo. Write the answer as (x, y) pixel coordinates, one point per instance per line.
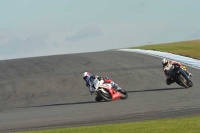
(183, 81)
(190, 84)
(106, 97)
(98, 98)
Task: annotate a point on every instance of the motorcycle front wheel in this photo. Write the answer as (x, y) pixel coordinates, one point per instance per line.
(190, 84)
(98, 98)
(183, 81)
(105, 96)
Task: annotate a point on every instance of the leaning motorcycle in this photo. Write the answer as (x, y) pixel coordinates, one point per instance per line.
(179, 75)
(104, 91)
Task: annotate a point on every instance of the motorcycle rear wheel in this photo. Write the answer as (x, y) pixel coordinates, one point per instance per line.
(124, 94)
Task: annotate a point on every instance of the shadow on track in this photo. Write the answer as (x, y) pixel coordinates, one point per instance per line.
(89, 102)
(59, 104)
(63, 104)
(162, 89)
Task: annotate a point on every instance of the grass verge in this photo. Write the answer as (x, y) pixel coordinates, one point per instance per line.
(178, 125)
(184, 48)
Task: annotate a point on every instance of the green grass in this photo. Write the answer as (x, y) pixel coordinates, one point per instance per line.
(185, 48)
(178, 125)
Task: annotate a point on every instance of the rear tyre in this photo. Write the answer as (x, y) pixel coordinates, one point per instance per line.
(106, 97)
(124, 94)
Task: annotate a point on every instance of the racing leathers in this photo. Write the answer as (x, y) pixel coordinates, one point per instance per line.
(169, 66)
(90, 82)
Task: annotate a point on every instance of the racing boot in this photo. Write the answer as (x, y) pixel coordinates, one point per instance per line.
(116, 87)
(188, 73)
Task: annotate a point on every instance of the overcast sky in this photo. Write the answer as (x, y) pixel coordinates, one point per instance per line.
(30, 28)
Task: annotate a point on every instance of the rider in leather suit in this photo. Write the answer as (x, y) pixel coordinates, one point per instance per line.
(90, 79)
(167, 65)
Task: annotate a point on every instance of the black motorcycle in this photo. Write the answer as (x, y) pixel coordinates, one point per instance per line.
(179, 76)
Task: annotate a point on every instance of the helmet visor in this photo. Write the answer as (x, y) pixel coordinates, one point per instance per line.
(164, 64)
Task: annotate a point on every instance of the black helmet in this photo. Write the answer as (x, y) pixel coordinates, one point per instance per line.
(165, 61)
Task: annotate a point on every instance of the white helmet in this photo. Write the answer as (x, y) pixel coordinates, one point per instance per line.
(165, 61)
(85, 75)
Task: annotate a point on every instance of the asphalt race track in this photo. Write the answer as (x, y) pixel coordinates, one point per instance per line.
(49, 92)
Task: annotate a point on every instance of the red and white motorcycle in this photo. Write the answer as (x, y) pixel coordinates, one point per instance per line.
(104, 91)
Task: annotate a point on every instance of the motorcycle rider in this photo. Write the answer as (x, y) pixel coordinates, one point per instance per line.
(167, 65)
(89, 78)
